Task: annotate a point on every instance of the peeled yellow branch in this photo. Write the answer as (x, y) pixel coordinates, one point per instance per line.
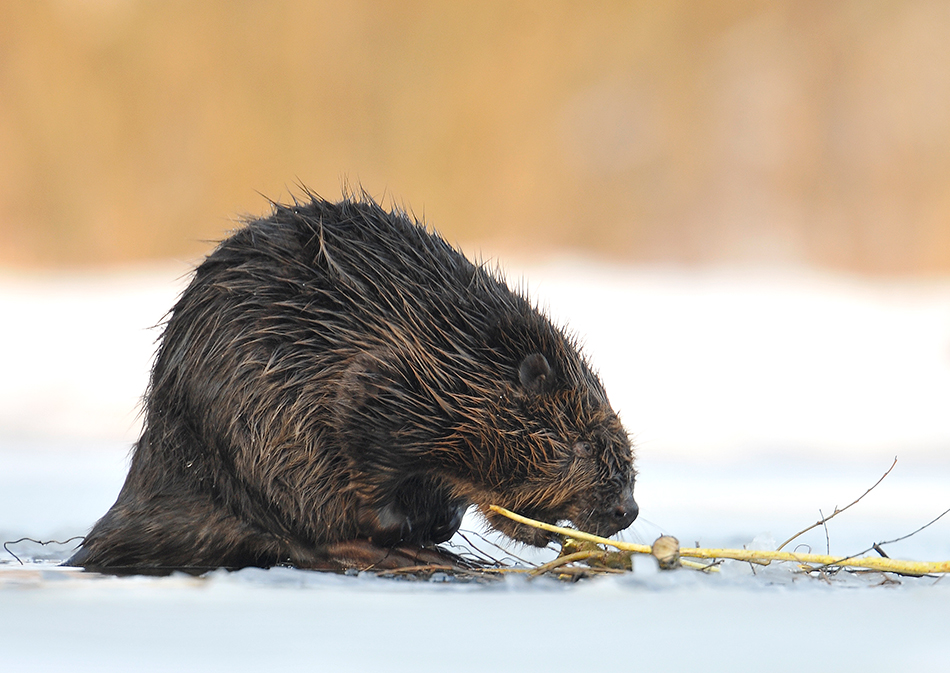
(570, 532)
(872, 562)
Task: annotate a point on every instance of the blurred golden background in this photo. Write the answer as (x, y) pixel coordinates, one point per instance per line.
(693, 131)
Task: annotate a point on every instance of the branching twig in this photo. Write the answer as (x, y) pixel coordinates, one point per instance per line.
(877, 546)
(837, 511)
(570, 558)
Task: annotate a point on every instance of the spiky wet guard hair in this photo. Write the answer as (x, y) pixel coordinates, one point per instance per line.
(336, 372)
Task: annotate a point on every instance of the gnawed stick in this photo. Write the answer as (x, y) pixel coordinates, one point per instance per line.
(572, 533)
(875, 563)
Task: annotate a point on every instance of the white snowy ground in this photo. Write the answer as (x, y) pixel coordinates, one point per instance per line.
(756, 399)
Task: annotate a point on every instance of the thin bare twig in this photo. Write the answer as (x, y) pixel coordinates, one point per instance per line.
(904, 537)
(838, 511)
(39, 542)
(824, 525)
(508, 553)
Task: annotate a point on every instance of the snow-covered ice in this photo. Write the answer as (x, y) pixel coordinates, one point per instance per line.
(278, 620)
(756, 399)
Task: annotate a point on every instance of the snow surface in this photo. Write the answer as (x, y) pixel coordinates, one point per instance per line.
(756, 398)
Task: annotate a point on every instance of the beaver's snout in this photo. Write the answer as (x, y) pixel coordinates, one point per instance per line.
(616, 517)
(626, 512)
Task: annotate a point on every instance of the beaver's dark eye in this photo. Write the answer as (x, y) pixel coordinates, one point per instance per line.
(583, 450)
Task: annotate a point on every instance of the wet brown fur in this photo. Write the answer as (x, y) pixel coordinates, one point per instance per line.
(336, 386)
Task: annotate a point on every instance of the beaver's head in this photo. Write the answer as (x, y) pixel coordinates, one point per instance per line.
(548, 445)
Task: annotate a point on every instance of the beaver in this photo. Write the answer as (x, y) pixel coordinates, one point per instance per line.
(336, 386)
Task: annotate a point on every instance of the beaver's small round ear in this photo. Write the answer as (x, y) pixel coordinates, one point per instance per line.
(535, 374)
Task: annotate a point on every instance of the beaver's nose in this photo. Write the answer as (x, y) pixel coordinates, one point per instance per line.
(626, 512)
